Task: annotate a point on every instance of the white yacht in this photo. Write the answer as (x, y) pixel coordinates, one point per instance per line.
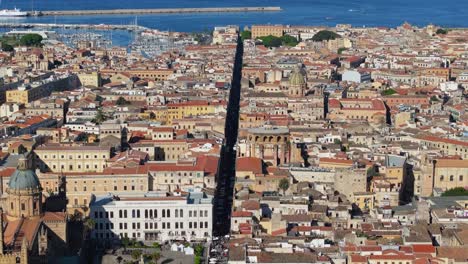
(12, 13)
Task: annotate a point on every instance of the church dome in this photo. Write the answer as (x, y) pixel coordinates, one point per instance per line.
(296, 78)
(24, 178)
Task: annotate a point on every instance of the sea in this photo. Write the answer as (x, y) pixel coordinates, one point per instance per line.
(359, 13)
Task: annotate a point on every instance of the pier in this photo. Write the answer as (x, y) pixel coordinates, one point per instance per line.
(156, 11)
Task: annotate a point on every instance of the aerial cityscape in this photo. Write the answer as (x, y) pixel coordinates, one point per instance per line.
(234, 132)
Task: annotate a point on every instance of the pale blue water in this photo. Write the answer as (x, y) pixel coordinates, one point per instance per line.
(450, 13)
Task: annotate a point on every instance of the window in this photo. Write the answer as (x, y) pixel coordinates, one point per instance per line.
(451, 177)
(460, 178)
(23, 206)
(441, 177)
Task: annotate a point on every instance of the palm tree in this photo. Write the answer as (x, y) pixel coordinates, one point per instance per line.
(155, 257)
(89, 224)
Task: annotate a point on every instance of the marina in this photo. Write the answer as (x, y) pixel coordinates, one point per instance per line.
(129, 27)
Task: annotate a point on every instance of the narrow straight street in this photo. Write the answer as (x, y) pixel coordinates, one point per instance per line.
(226, 171)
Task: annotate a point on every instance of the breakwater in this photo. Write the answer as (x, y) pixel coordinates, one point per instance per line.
(155, 11)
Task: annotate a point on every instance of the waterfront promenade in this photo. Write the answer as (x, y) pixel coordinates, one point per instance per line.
(157, 11)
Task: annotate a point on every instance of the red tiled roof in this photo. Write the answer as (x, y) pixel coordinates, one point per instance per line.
(358, 258)
(424, 249)
(241, 214)
(278, 232)
(444, 140)
(249, 164)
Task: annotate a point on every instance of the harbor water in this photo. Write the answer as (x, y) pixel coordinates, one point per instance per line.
(449, 13)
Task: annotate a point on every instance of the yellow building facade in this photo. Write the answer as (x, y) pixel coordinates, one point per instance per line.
(267, 30)
(65, 159)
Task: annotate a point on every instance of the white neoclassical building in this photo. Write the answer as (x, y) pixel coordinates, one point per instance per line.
(152, 217)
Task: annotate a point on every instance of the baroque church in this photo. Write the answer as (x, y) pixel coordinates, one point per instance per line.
(29, 234)
(295, 86)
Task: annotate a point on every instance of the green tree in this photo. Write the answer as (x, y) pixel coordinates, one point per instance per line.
(7, 47)
(156, 245)
(340, 50)
(136, 254)
(288, 40)
(155, 257)
(388, 92)
(31, 40)
(434, 99)
(284, 185)
(122, 101)
(125, 242)
(271, 41)
(99, 98)
(199, 250)
(197, 260)
(441, 31)
(458, 191)
(246, 34)
(325, 35)
(100, 117)
(89, 223)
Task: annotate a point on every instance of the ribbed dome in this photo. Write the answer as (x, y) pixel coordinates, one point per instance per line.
(296, 78)
(24, 178)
